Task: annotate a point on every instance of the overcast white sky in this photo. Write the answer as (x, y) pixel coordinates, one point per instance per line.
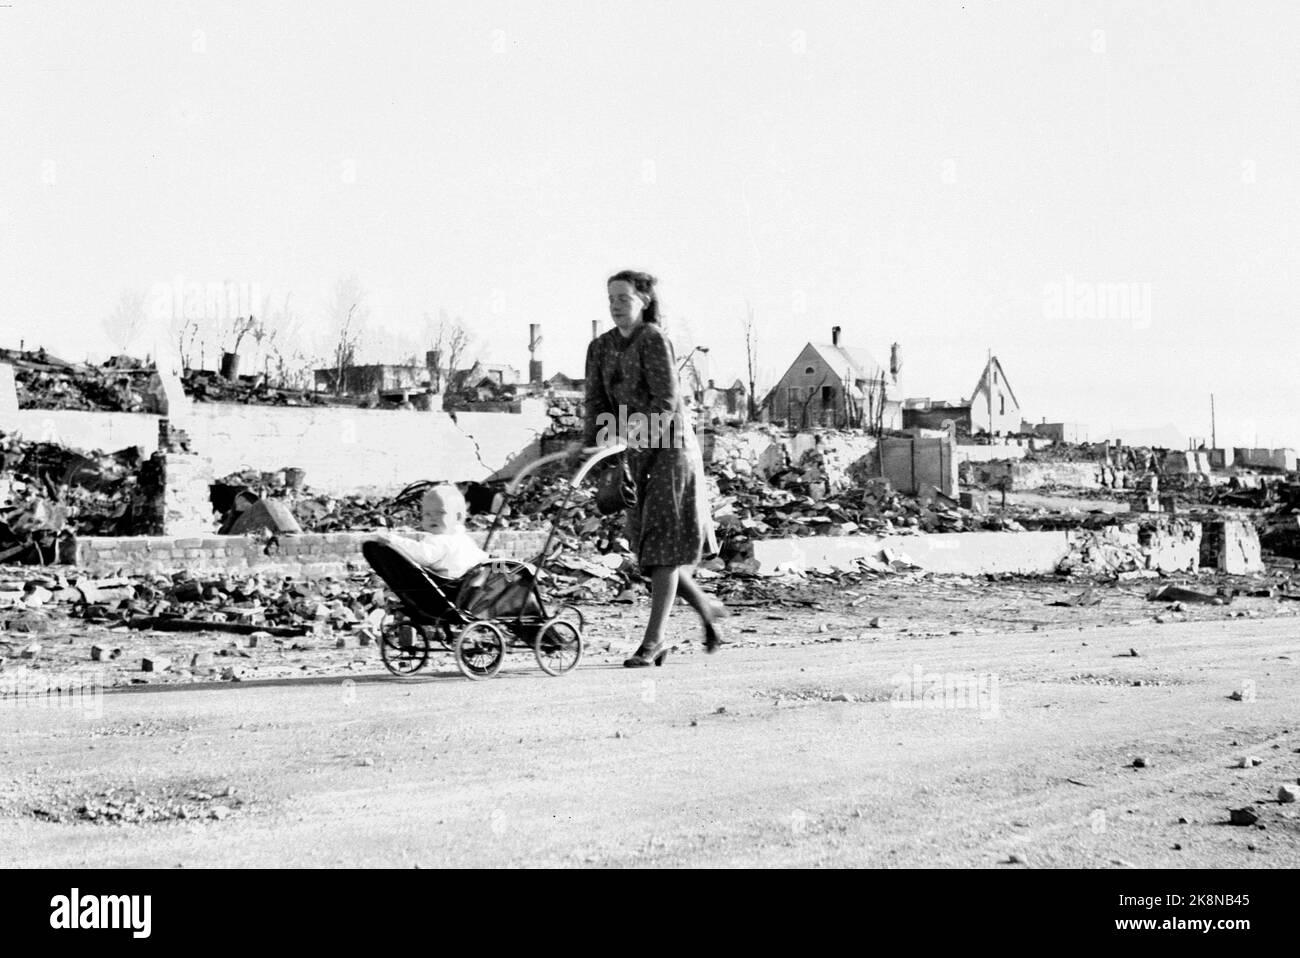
(955, 177)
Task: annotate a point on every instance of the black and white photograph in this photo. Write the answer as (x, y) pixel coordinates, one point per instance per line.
(736, 435)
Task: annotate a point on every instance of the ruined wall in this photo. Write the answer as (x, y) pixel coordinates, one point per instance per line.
(994, 452)
(1231, 546)
(1036, 475)
(1267, 458)
(343, 450)
(309, 554)
(1164, 545)
(910, 465)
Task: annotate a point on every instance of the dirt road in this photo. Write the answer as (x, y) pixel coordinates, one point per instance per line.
(743, 758)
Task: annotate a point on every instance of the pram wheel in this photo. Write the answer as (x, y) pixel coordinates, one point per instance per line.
(480, 650)
(573, 614)
(403, 647)
(558, 646)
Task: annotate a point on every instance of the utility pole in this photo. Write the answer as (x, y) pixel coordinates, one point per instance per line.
(1214, 443)
(988, 383)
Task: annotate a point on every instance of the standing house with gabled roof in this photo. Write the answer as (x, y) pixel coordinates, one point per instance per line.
(836, 386)
(993, 405)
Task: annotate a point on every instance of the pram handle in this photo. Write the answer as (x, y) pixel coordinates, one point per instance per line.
(594, 455)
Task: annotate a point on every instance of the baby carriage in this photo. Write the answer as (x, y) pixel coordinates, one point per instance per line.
(497, 606)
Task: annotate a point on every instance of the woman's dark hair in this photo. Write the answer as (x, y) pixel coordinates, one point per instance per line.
(643, 283)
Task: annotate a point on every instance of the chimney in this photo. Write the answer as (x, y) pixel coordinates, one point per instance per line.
(433, 362)
(595, 328)
(534, 364)
(895, 362)
(835, 335)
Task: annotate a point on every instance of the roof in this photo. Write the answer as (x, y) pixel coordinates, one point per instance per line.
(1006, 382)
(858, 361)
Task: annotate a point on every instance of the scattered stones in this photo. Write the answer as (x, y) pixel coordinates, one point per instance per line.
(203, 660)
(1141, 762)
(157, 663)
(842, 697)
(1249, 761)
(1286, 794)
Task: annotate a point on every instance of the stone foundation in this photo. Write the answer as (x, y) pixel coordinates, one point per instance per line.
(307, 555)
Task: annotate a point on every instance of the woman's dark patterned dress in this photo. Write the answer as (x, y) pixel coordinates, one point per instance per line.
(632, 381)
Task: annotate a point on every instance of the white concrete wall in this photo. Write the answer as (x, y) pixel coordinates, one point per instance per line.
(991, 453)
(342, 450)
(967, 553)
(103, 431)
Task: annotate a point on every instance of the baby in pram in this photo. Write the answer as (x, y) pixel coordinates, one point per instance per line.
(448, 552)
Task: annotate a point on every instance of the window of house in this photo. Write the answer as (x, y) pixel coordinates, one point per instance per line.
(807, 370)
(828, 395)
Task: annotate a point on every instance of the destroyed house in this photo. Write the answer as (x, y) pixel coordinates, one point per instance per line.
(835, 386)
(992, 408)
(379, 378)
(493, 376)
(724, 405)
(561, 383)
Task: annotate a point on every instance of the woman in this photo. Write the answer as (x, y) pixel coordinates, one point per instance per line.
(633, 392)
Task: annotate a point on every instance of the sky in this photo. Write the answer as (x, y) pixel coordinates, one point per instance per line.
(1105, 195)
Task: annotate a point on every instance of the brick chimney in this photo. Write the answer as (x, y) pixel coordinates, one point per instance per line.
(835, 335)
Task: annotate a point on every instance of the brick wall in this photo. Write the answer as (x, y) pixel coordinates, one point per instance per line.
(309, 554)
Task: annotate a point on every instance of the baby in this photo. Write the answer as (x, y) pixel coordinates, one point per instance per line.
(449, 552)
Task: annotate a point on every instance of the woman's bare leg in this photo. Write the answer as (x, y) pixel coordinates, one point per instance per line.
(663, 592)
(699, 600)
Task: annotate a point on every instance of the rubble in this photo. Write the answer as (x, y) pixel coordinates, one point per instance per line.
(47, 489)
(122, 384)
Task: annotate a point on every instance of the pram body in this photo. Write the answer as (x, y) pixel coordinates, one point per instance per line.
(498, 606)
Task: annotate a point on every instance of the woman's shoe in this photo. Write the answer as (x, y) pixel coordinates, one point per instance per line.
(713, 637)
(644, 657)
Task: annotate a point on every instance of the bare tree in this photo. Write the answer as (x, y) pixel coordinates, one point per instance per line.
(185, 332)
(751, 356)
(458, 343)
(286, 359)
(346, 317)
(450, 343)
(127, 321)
